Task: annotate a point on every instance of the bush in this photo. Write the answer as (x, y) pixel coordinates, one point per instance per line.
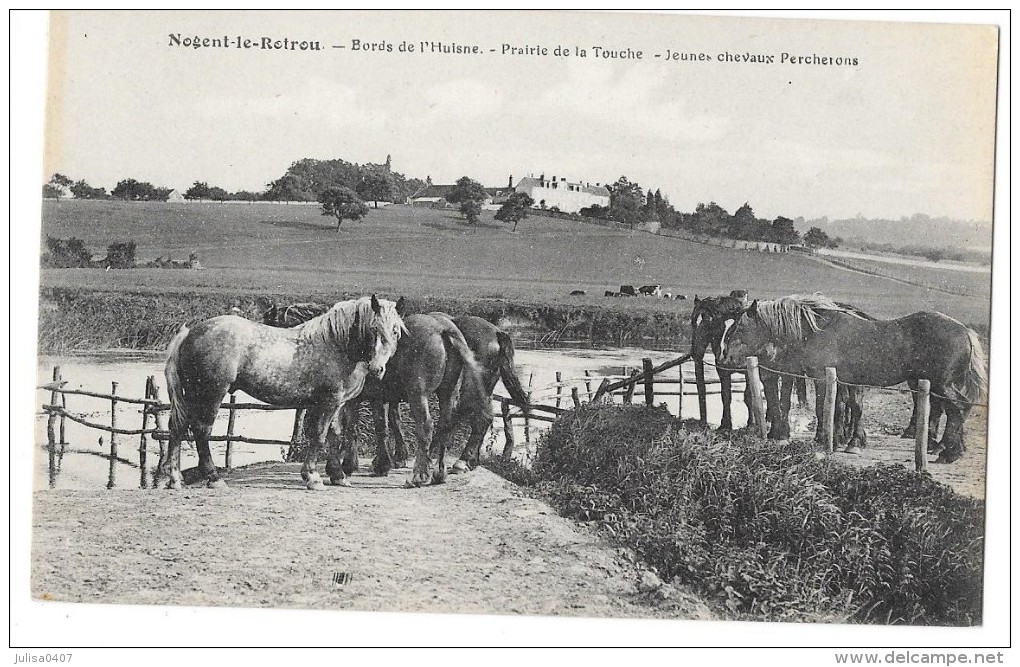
(768, 529)
(66, 254)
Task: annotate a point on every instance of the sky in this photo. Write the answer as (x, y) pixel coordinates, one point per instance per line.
(909, 129)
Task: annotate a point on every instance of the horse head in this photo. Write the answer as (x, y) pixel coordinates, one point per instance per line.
(385, 328)
(746, 335)
(708, 321)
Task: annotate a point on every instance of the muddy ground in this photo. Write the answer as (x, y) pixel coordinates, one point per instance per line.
(475, 544)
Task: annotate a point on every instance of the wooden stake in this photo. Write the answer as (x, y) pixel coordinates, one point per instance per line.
(646, 366)
(508, 430)
(231, 416)
(921, 431)
(829, 409)
(575, 397)
(113, 436)
(757, 400)
(587, 383)
(680, 392)
(51, 431)
(559, 387)
(699, 379)
(143, 439)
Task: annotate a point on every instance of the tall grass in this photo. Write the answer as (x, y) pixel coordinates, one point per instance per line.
(768, 530)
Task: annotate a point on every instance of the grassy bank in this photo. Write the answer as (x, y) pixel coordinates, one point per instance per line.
(768, 531)
(79, 319)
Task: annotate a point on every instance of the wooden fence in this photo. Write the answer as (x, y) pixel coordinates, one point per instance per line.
(547, 404)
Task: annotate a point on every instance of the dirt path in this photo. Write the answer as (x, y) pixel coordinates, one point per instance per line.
(473, 545)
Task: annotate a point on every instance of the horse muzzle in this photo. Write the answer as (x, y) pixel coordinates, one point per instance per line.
(376, 371)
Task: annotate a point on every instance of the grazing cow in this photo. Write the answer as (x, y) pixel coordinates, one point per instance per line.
(667, 295)
(680, 297)
(627, 290)
(578, 292)
(610, 292)
(650, 290)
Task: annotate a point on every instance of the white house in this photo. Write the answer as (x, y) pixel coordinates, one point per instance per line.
(567, 196)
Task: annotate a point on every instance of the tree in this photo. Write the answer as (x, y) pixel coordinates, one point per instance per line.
(66, 253)
(625, 201)
(783, 231)
(343, 204)
(58, 186)
(515, 208)
(594, 211)
(470, 195)
(120, 255)
(50, 191)
(133, 190)
(377, 187)
(82, 190)
(816, 238)
(199, 190)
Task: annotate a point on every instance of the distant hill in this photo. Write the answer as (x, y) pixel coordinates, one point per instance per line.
(917, 230)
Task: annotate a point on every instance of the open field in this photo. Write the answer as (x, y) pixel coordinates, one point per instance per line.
(274, 248)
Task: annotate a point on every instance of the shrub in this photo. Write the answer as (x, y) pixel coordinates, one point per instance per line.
(66, 253)
(768, 529)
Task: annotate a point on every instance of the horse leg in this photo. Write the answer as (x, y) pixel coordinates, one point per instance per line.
(317, 421)
(911, 430)
(820, 412)
(770, 382)
(952, 438)
(206, 467)
(338, 444)
(855, 409)
(423, 429)
(170, 465)
(383, 462)
(472, 450)
(785, 398)
(400, 446)
(936, 409)
(444, 436)
(349, 460)
(726, 387)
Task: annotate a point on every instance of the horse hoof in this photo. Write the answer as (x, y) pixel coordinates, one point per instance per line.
(216, 484)
(852, 450)
(379, 473)
(459, 467)
(949, 457)
(340, 482)
(316, 485)
(415, 482)
(908, 433)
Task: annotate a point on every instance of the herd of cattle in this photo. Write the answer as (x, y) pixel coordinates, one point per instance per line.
(644, 290)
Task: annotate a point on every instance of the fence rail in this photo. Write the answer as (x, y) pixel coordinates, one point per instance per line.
(555, 396)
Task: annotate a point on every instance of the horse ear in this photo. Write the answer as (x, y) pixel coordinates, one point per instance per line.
(752, 310)
(696, 299)
(400, 306)
(376, 306)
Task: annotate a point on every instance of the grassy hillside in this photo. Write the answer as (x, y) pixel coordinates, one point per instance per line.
(274, 248)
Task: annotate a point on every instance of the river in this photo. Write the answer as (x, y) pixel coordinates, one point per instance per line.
(82, 464)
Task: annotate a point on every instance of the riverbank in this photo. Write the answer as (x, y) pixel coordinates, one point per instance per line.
(79, 319)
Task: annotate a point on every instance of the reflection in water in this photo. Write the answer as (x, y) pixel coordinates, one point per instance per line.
(83, 461)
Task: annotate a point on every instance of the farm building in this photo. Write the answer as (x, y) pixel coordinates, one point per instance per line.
(565, 195)
(175, 196)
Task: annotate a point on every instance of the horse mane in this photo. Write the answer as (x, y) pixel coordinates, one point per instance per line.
(785, 317)
(344, 321)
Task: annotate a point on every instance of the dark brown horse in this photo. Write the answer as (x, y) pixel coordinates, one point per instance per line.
(809, 333)
(707, 323)
(322, 363)
(494, 351)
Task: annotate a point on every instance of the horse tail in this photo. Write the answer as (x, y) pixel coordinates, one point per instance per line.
(507, 372)
(179, 421)
(473, 396)
(976, 376)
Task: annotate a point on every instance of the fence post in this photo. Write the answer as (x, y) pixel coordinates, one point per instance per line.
(600, 393)
(680, 392)
(527, 421)
(559, 387)
(158, 417)
(587, 383)
(57, 377)
(231, 416)
(646, 366)
(757, 400)
(113, 436)
(51, 430)
(829, 411)
(143, 439)
(921, 431)
(699, 379)
(508, 430)
(575, 397)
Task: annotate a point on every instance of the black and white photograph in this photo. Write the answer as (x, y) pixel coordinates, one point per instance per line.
(498, 328)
